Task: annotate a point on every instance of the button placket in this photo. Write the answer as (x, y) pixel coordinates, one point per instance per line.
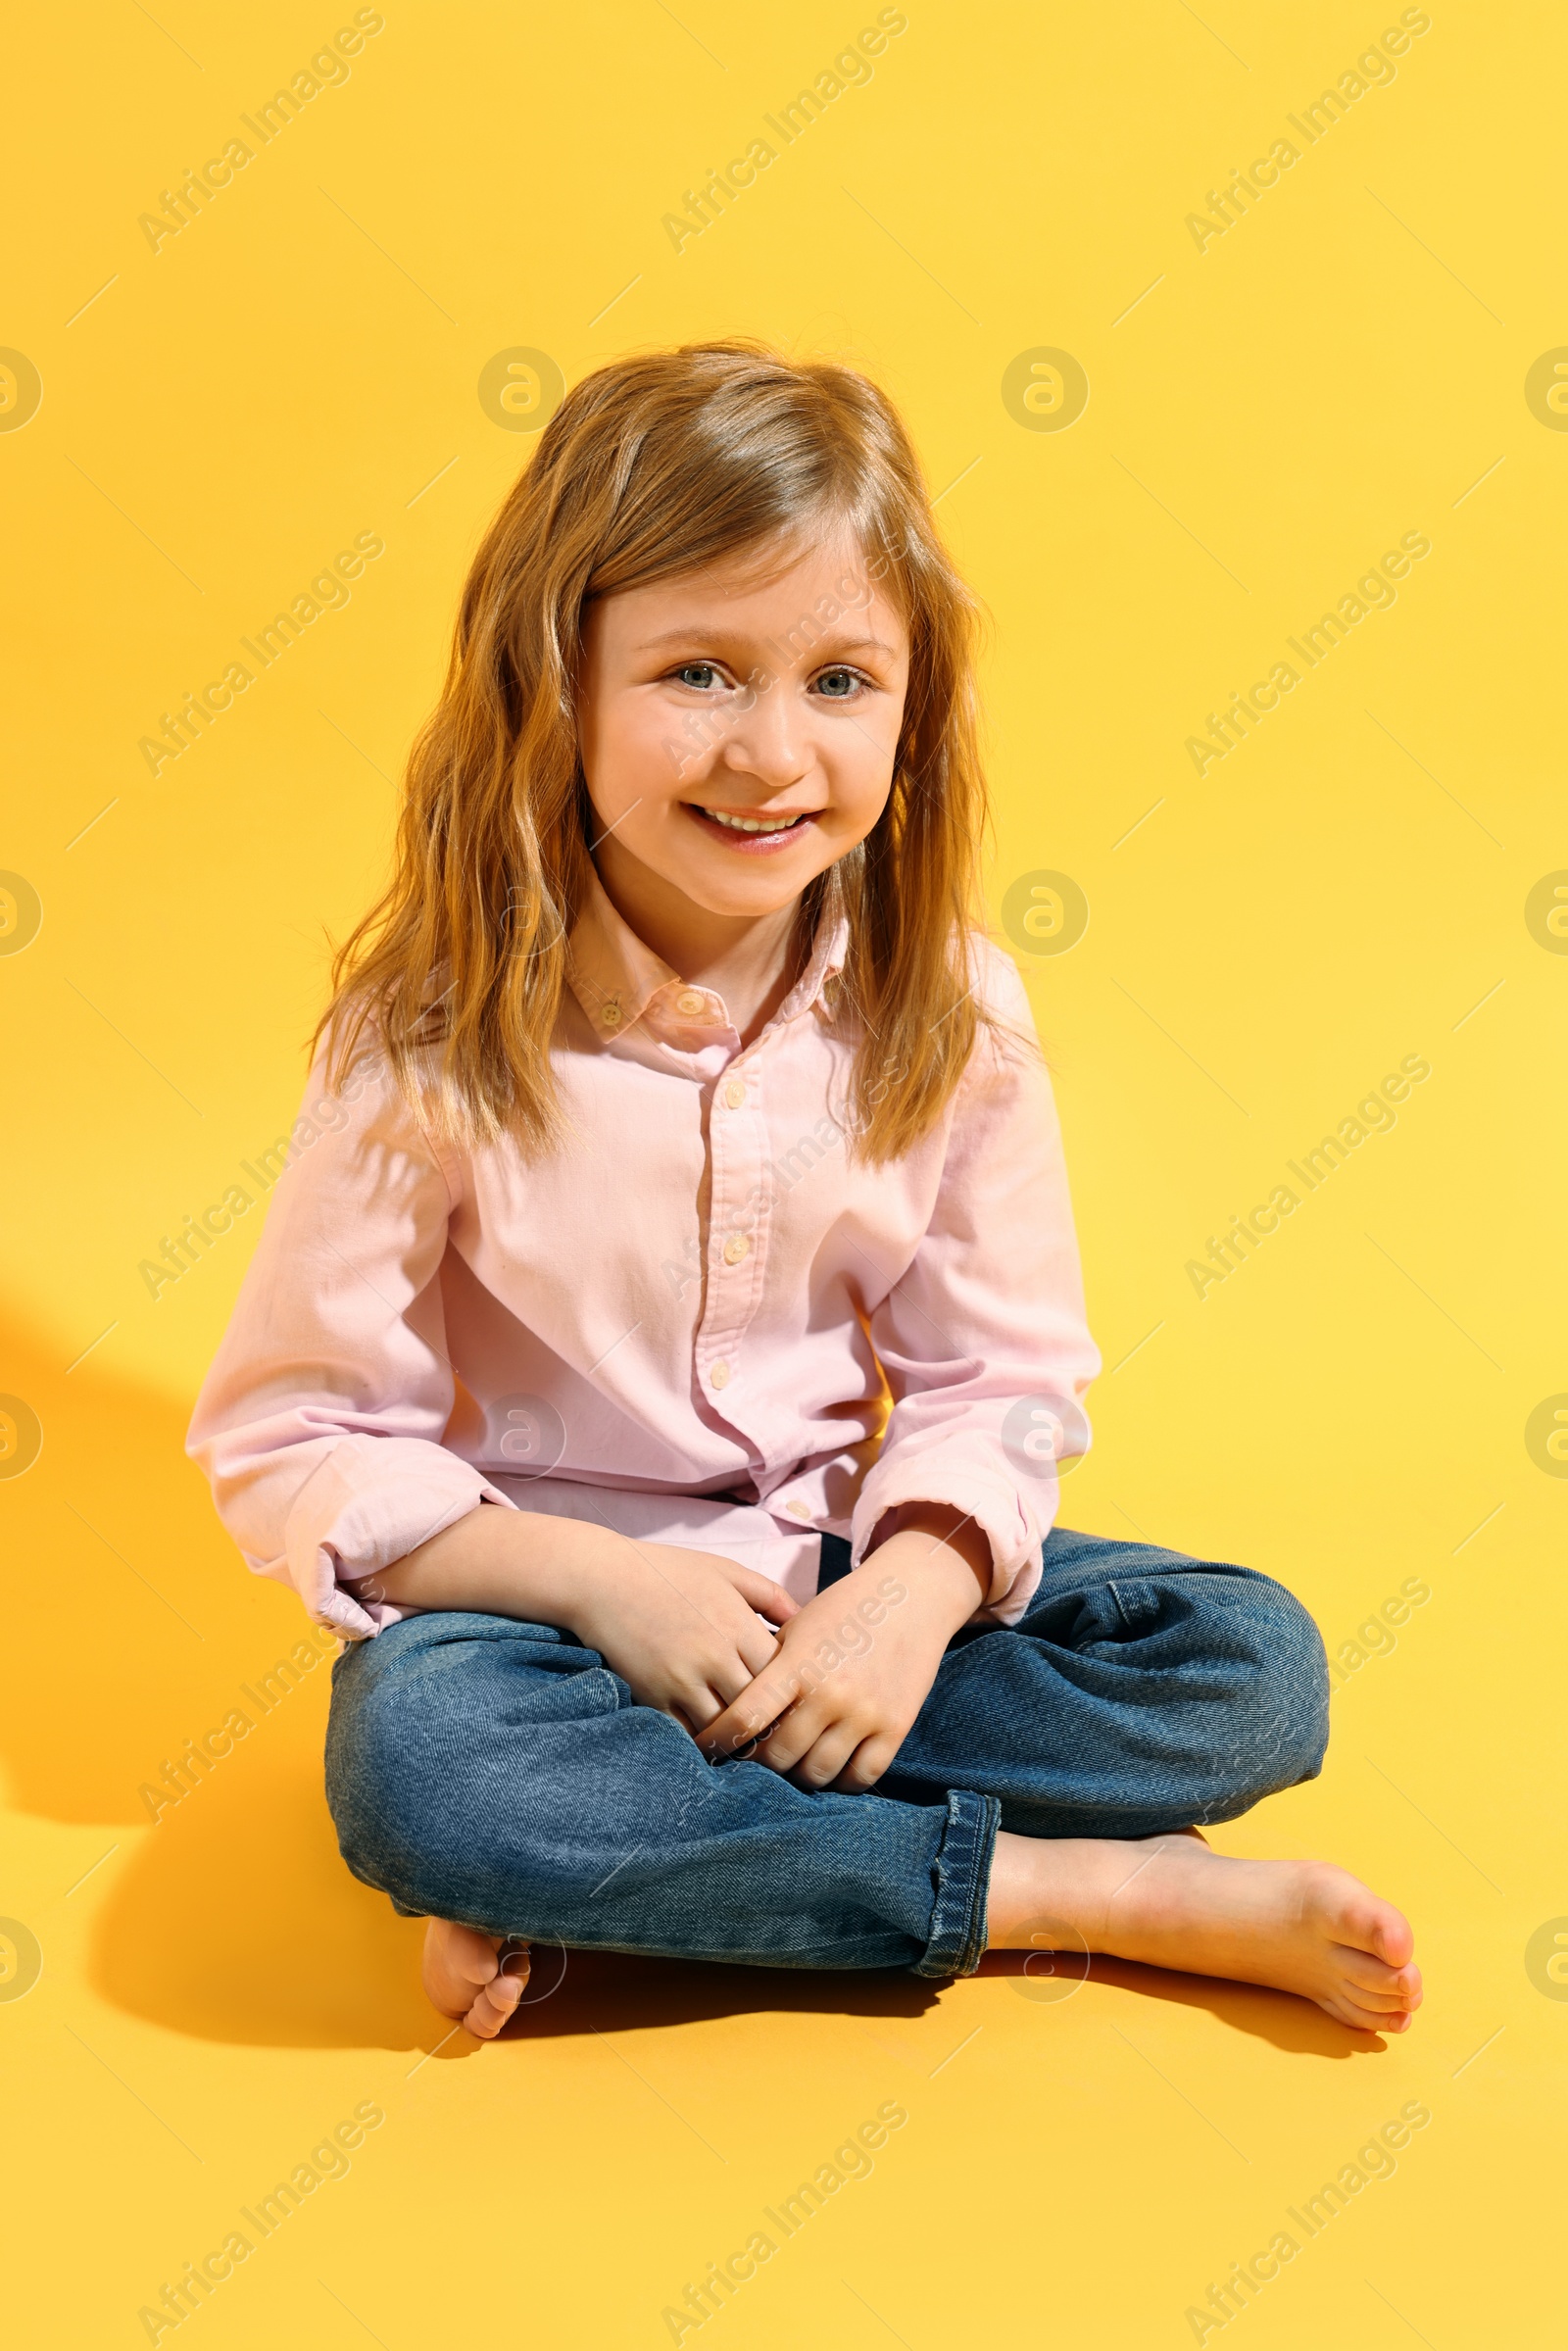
(737, 1139)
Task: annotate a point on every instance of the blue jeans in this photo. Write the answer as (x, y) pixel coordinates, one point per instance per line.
(500, 1775)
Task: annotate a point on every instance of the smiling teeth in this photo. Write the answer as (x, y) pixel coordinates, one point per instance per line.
(753, 824)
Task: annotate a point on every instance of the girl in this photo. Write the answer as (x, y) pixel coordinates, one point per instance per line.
(659, 1351)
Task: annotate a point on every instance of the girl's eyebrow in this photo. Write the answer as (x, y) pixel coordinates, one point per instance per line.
(699, 630)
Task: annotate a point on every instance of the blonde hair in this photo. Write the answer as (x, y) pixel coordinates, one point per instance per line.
(650, 468)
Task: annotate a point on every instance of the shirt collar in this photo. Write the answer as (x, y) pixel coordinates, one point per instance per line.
(620, 980)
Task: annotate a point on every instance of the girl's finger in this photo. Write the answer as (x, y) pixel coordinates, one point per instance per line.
(795, 1734)
(825, 1758)
(730, 1677)
(865, 1766)
(697, 1706)
(759, 1647)
(750, 1712)
(760, 1593)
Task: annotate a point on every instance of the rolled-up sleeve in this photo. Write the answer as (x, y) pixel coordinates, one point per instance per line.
(983, 1341)
(319, 1422)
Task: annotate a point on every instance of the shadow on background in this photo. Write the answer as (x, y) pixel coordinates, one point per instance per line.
(233, 1919)
(1298, 2026)
(604, 1992)
(138, 1628)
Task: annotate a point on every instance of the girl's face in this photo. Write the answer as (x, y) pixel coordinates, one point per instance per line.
(738, 732)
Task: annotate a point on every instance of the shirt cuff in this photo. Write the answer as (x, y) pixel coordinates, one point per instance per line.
(371, 1501)
(1014, 1531)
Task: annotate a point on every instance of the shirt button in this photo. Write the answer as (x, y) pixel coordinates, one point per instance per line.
(798, 1509)
(735, 1094)
(735, 1249)
(610, 1016)
(689, 1001)
(719, 1377)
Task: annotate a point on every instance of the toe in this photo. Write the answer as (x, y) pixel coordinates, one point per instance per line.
(493, 2008)
(1381, 2003)
(458, 1961)
(1392, 1938)
(1355, 1915)
(472, 1953)
(1406, 1987)
(1361, 2019)
(1368, 1976)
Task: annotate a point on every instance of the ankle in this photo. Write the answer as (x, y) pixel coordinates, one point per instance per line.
(1044, 1887)
(1005, 1894)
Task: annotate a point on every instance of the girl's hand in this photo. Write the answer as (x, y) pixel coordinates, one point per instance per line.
(680, 1626)
(852, 1668)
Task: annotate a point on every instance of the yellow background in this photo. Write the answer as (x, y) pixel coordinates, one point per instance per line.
(1265, 418)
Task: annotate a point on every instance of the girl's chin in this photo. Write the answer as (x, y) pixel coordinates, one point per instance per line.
(757, 890)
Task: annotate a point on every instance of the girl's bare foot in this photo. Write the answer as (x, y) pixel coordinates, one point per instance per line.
(466, 1977)
(1301, 1926)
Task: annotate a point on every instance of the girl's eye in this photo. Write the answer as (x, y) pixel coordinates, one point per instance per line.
(701, 674)
(839, 685)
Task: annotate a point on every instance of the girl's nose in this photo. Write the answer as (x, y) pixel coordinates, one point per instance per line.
(768, 739)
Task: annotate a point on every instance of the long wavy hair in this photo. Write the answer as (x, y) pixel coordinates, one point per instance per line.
(650, 468)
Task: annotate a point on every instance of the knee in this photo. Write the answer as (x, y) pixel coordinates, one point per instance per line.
(1282, 1721)
(413, 1748)
(384, 1737)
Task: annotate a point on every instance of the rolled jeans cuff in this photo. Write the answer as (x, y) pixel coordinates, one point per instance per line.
(957, 1938)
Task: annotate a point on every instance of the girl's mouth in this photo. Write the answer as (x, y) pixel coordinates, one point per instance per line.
(756, 835)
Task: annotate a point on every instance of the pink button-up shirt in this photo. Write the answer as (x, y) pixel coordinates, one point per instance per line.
(699, 1322)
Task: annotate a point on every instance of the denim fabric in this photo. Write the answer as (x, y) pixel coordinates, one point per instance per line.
(500, 1775)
